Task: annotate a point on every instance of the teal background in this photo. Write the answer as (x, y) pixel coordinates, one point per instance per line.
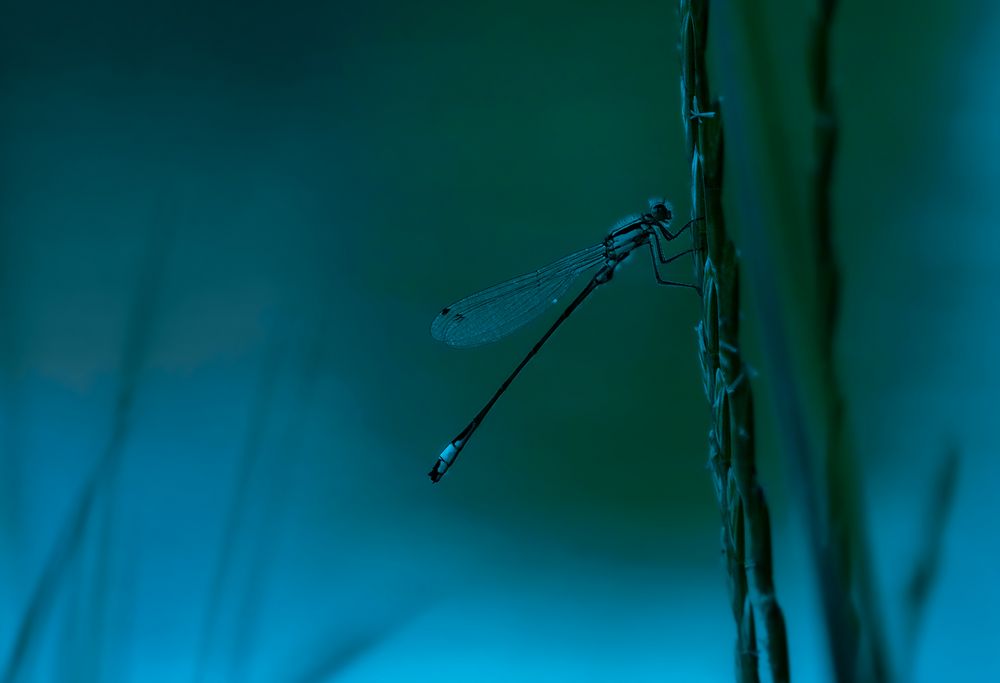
(225, 229)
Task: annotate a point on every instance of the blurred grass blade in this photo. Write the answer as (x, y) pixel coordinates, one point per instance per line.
(71, 539)
(257, 421)
(757, 154)
(928, 564)
(275, 507)
(846, 519)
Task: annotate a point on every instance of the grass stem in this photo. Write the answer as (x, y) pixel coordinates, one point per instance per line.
(746, 528)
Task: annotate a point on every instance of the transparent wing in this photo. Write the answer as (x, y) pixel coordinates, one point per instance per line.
(494, 313)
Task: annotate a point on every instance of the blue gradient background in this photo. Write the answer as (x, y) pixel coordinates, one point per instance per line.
(245, 215)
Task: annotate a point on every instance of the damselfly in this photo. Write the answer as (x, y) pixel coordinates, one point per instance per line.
(494, 313)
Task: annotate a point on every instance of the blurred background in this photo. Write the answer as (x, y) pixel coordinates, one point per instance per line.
(225, 228)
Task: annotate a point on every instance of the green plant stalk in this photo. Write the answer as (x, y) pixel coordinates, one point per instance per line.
(800, 342)
(746, 528)
(769, 217)
(845, 519)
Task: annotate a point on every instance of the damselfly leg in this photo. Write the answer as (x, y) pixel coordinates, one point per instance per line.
(656, 269)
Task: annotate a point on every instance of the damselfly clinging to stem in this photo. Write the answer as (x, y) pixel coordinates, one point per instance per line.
(494, 313)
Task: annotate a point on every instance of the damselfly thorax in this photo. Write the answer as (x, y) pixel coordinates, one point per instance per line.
(633, 232)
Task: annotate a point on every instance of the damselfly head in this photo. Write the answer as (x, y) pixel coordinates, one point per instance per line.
(660, 209)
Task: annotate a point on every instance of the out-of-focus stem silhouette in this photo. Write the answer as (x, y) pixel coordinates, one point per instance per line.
(74, 534)
(290, 445)
(847, 531)
(260, 409)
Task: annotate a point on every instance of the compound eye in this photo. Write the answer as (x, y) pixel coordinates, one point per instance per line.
(661, 212)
